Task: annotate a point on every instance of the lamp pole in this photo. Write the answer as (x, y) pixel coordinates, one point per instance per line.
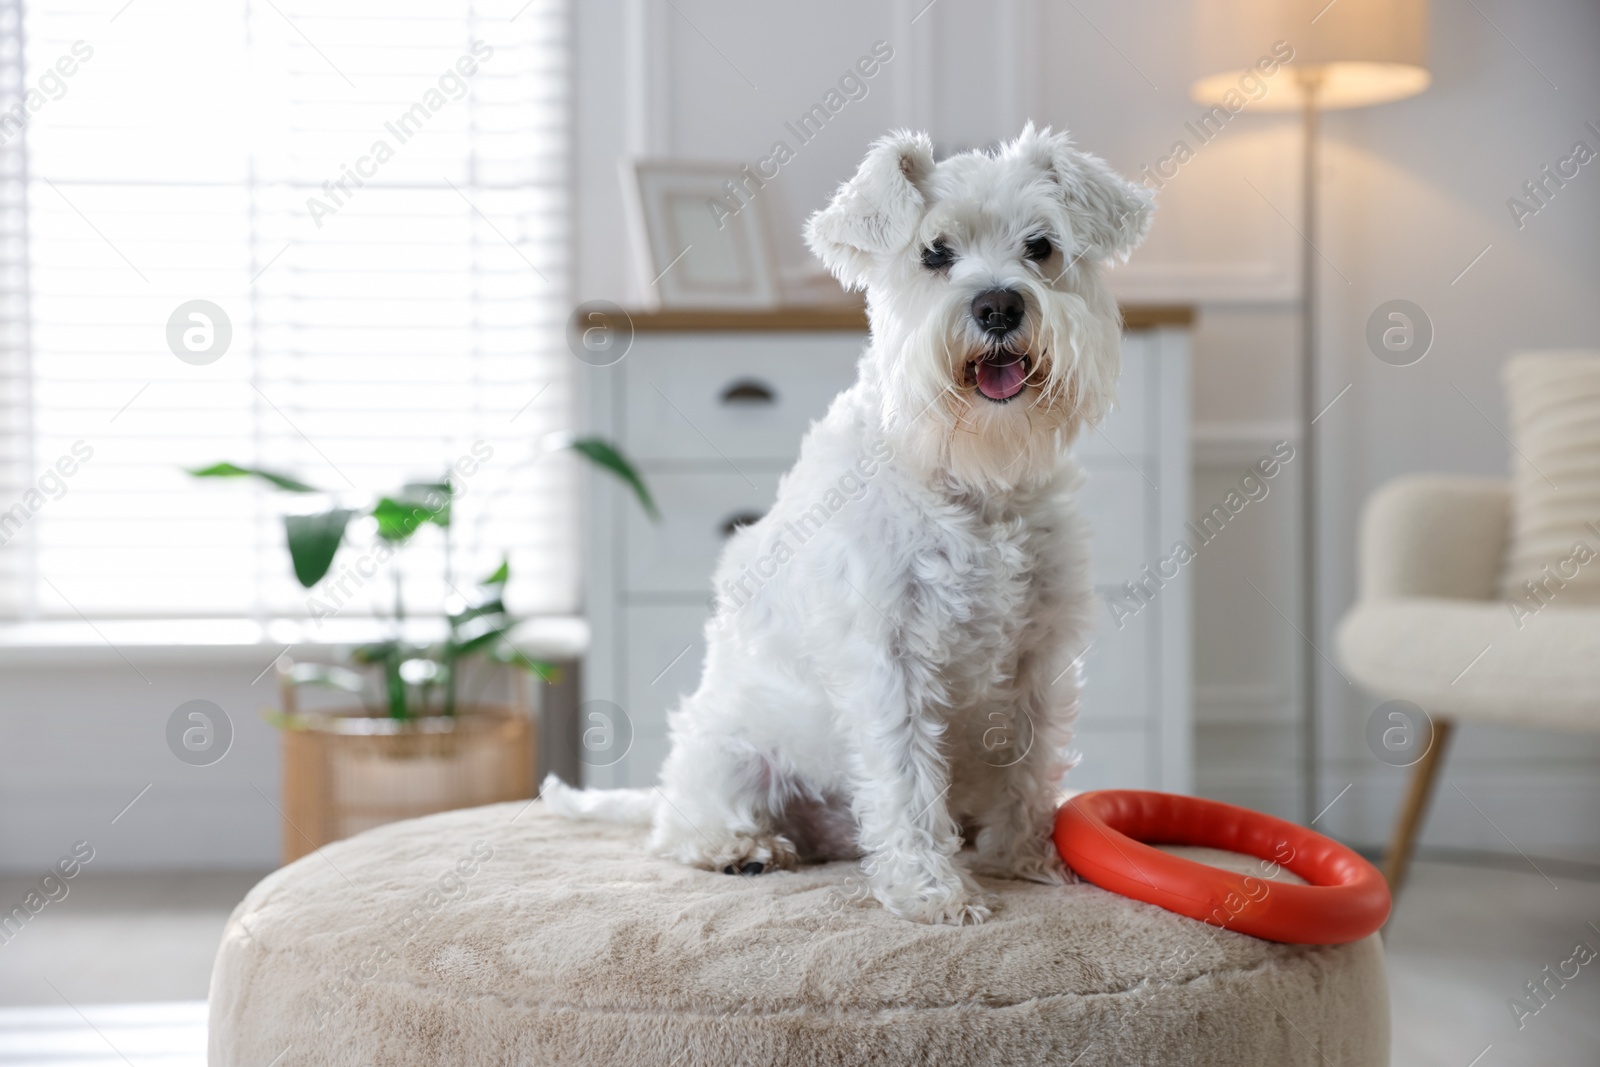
(1310, 84)
(1355, 53)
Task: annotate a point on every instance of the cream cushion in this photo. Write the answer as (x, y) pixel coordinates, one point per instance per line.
(1555, 424)
(500, 935)
(1469, 660)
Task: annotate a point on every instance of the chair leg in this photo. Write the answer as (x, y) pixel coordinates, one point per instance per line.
(1406, 828)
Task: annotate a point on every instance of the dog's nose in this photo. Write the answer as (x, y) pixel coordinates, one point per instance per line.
(998, 310)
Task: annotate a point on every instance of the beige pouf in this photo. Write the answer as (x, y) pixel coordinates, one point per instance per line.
(503, 935)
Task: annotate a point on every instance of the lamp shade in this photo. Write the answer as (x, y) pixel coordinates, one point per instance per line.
(1355, 52)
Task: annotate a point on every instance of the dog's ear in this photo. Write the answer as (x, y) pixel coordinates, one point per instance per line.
(876, 212)
(1109, 214)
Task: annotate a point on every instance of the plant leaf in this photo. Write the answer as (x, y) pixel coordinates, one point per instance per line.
(476, 643)
(478, 627)
(492, 606)
(508, 653)
(501, 575)
(605, 455)
(396, 521)
(401, 516)
(436, 498)
(233, 470)
(313, 541)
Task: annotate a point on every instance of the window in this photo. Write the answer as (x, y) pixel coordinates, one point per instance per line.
(373, 197)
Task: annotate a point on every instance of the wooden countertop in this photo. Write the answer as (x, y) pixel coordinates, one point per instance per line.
(845, 317)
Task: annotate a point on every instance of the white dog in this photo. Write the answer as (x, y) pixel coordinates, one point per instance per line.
(893, 662)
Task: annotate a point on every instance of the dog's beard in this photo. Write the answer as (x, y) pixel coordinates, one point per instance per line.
(997, 415)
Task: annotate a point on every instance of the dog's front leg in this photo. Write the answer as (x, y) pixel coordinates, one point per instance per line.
(902, 784)
(1023, 775)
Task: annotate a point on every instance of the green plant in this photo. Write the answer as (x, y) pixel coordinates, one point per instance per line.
(414, 679)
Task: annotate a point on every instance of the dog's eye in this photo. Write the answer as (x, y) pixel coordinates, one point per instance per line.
(1038, 248)
(937, 256)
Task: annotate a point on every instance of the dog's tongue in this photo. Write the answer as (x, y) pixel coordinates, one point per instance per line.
(1001, 377)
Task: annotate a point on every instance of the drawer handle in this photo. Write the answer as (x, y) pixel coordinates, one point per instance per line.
(738, 520)
(749, 391)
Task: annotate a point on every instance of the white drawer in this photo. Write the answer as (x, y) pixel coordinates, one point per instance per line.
(1123, 434)
(740, 396)
(1116, 672)
(678, 553)
(1112, 759)
(665, 651)
(1114, 504)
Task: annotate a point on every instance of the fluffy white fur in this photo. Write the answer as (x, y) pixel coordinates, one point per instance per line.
(920, 589)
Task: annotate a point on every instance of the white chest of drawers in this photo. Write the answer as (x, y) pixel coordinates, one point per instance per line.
(712, 408)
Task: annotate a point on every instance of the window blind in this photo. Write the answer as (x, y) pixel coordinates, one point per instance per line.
(373, 198)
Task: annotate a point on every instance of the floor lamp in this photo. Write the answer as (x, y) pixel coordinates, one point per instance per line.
(1345, 54)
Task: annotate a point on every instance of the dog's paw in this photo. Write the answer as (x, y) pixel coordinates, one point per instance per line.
(746, 854)
(961, 909)
(934, 891)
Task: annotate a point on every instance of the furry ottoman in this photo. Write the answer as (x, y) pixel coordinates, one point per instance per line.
(503, 935)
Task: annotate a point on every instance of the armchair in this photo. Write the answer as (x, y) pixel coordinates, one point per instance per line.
(1430, 626)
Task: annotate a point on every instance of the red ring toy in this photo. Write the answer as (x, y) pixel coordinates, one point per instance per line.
(1102, 835)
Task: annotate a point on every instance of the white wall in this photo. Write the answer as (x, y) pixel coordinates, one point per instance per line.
(85, 753)
(1413, 191)
(85, 733)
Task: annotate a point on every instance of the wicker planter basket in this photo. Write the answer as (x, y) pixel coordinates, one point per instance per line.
(346, 773)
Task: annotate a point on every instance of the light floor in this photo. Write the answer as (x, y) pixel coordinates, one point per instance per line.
(77, 985)
(1465, 940)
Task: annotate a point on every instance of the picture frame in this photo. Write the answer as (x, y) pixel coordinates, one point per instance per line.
(694, 244)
